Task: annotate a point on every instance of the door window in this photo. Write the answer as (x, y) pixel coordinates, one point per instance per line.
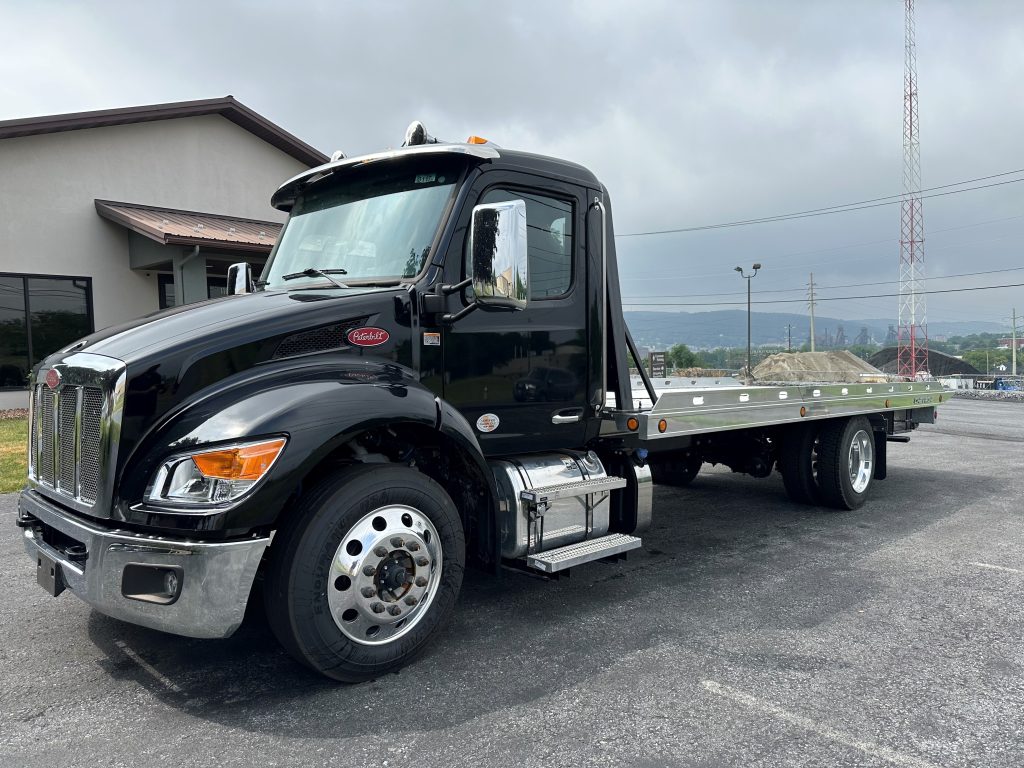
(549, 240)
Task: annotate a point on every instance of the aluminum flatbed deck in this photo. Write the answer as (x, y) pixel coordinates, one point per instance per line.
(718, 409)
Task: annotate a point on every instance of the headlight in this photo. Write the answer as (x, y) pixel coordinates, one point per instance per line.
(218, 476)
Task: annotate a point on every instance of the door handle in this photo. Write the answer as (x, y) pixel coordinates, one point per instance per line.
(568, 416)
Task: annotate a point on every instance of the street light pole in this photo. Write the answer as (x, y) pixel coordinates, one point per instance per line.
(748, 278)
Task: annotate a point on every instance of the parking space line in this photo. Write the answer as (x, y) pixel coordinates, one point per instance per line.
(997, 567)
(147, 667)
(867, 747)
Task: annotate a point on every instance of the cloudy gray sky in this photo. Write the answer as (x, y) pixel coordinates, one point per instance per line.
(692, 113)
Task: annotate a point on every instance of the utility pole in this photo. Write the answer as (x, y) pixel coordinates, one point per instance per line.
(1013, 343)
(789, 337)
(812, 311)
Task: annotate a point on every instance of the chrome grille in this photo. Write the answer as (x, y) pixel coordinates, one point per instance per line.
(91, 430)
(46, 401)
(75, 430)
(66, 437)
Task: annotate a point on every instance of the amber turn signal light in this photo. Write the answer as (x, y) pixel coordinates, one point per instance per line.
(476, 140)
(249, 462)
(632, 424)
(662, 425)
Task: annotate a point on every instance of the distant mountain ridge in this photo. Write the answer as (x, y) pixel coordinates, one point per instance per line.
(728, 328)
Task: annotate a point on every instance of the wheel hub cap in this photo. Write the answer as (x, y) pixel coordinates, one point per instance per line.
(861, 464)
(384, 575)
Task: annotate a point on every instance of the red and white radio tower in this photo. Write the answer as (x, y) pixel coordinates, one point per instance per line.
(912, 353)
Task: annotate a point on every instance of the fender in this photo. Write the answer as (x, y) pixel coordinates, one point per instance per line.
(319, 404)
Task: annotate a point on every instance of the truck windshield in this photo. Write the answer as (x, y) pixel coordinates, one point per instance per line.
(376, 225)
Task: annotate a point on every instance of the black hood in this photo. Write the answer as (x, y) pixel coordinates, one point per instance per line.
(227, 322)
(173, 355)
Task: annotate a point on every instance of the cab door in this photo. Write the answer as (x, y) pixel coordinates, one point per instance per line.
(520, 377)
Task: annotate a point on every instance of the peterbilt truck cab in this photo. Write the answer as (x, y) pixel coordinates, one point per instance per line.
(431, 373)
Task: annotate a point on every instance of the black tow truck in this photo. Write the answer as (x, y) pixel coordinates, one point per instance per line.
(432, 372)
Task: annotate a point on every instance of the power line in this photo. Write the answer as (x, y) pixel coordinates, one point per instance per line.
(844, 208)
(819, 287)
(887, 241)
(816, 298)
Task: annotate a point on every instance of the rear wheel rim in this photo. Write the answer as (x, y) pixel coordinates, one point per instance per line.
(384, 575)
(861, 460)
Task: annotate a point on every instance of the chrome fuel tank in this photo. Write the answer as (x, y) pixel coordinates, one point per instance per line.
(564, 520)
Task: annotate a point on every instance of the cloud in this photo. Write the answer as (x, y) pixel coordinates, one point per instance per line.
(691, 113)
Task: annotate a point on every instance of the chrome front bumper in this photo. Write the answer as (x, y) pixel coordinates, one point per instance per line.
(216, 578)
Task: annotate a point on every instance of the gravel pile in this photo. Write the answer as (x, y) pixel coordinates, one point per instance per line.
(835, 366)
(989, 394)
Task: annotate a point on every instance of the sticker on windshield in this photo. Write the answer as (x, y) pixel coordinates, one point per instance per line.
(368, 337)
(488, 422)
(425, 178)
(431, 339)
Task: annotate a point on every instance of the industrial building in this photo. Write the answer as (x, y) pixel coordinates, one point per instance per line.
(113, 214)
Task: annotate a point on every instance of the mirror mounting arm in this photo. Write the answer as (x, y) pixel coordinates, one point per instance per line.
(448, 290)
(434, 303)
(451, 318)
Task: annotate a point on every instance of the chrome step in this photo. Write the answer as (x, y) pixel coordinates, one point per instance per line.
(576, 488)
(583, 552)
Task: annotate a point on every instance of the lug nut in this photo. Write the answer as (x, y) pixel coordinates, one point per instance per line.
(422, 561)
(394, 610)
(412, 546)
(380, 551)
(369, 570)
(377, 607)
(411, 600)
(397, 542)
(369, 591)
(421, 581)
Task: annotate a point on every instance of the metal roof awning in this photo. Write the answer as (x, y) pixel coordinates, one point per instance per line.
(169, 226)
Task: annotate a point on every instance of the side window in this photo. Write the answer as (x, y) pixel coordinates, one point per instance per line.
(549, 240)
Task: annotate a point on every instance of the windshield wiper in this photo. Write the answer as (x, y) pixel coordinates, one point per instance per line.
(312, 272)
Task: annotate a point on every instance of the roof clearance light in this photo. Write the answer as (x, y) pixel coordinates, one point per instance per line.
(477, 140)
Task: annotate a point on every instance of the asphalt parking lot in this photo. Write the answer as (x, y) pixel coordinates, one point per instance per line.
(747, 632)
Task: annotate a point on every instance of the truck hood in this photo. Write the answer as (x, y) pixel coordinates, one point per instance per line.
(174, 356)
(225, 322)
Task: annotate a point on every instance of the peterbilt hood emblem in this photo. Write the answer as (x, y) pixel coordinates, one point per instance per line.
(368, 336)
(53, 378)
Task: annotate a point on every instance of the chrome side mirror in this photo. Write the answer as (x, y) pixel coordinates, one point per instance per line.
(240, 278)
(497, 244)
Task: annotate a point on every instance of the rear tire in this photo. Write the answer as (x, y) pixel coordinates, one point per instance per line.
(846, 464)
(367, 567)
(676, 471)
(798, 463)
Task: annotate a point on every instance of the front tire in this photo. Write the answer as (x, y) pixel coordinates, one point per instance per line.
(367, 568)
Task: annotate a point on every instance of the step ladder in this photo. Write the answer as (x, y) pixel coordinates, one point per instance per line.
(547, 493)
(553, 560)
(583, 552)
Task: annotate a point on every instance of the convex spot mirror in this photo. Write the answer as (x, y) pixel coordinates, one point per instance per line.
(240, 278)
(497, 244)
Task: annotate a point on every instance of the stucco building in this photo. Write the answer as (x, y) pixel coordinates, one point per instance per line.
(108, 215)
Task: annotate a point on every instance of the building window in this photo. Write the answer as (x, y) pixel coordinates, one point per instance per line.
(215, 288)
(39, 314)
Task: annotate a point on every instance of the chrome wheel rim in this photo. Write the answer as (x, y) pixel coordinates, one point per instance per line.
(862, 454)
(384, 575)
